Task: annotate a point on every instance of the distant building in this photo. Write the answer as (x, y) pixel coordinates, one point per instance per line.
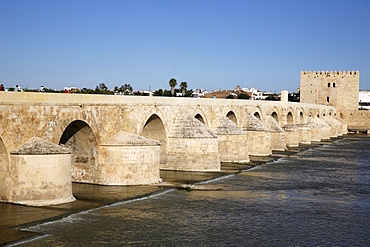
(364, 99)
(256, 94)
(198, 93)
(339, 88)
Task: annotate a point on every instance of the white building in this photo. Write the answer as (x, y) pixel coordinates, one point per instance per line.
(364, 99)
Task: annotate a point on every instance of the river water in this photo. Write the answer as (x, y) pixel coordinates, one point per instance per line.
(318, 197)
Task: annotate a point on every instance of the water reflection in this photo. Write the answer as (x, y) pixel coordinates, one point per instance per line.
(318, 197)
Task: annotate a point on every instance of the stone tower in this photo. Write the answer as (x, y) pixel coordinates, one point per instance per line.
(339, 88)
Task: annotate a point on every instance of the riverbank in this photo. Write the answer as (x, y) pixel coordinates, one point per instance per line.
(16, 217)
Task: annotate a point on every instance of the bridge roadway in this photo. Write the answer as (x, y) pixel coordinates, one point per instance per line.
(48, 141)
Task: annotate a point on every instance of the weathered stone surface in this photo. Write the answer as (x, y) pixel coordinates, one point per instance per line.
(123, 138)
(225, 126)
(186, 126)
(232, 141)
(37, 145)
(304, 133)
(254, 124)
(277, 134)
(39, 174)
(291, 135)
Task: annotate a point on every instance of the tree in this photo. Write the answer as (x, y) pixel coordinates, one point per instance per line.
(101, 89)
(183, 86)
(243, 96)
(126, 89)
(158, 92)
(173, 83)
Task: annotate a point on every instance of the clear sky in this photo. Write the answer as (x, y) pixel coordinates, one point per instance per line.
(210, 44)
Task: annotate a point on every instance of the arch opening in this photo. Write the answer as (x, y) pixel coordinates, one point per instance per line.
(289, 118)
(154, 129)
(231, 115)
(257, 115)
(275, 116)
(301, 117)
(80, 139)
(200, 118)
(4, 164)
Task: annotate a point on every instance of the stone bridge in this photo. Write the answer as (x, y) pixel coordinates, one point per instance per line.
(48, 141)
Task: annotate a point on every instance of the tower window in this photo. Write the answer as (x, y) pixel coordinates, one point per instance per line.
(334, 84)
(329, 84)
(327, 99)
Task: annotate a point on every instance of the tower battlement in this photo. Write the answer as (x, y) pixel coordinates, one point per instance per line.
(330, 73)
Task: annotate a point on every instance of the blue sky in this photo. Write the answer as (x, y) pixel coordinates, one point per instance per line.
(210, 44)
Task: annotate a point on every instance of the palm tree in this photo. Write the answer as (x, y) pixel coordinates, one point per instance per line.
(173, 84)
(183, 86)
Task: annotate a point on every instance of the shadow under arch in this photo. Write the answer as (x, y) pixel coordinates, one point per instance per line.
(257, 112)
(200, 118)
(231, 115)
(301, 117)
(4, 170)
(154, 129)
(289, 118)
(275, 116)
(257, 115)
(80, 139)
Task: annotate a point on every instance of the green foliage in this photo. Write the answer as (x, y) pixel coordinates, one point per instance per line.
(172, 82)
(167, 93)
(243, 96)
(294, 97)
(188, 93)
(87, 91)
(183, 86)
(272, 98)
(125, 89)
(158, 92)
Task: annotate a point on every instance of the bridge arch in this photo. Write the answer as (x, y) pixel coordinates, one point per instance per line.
(289, 118)
(201, 116)
(231, 115)
(302, 116)
(80, 139)
(257, 112)
(257, 115)
(154, 129)
(275, 116)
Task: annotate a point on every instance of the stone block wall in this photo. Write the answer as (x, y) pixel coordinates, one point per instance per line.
(233, 148)
(39, 180)
(192, 154)
(129, 165)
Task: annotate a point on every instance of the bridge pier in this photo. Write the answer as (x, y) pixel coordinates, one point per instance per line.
(191, 146)
(316, 134)
(304, 134)
(129, 159)
(291, 135)
(278, 142)
(39, 174)
(334, 126)
(325, 128)
(259, 138)
(232, 141)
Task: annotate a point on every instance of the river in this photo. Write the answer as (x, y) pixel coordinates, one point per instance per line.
(317, 197)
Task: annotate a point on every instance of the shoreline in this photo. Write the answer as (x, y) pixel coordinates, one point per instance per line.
(17, 217)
